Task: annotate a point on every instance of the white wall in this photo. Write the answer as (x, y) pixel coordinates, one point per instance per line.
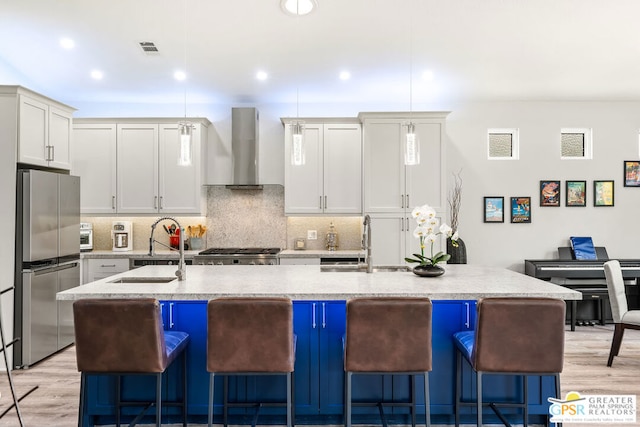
(615, 133)
(615, 138)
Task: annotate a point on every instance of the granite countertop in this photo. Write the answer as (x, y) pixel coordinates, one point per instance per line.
(138, 254)
(314, 253)
(165, 253)
(302, 282)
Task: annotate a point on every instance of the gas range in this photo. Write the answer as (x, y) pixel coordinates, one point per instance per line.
(238, 256)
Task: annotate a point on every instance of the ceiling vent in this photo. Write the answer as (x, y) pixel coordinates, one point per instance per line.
(148, 47)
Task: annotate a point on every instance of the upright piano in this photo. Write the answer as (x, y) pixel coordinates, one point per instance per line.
(586, 276)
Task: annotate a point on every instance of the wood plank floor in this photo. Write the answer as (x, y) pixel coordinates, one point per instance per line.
(55, 402)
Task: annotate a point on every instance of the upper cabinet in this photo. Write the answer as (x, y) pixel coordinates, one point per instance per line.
(330, 180)
(389, 185)
(138, 161)
(43, 128)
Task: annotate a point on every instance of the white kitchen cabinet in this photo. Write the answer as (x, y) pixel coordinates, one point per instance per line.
(44, 128)
(142, 174)
(330, 181)
(392, 189)
(94, 161)
(101, 268)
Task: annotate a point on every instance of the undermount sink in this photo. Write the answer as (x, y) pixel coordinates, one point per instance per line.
(144, 280)
(362, 268)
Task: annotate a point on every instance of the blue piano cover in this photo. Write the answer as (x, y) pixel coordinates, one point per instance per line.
(583, 247)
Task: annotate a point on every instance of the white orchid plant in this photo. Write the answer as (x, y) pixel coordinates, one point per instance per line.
(427, 231)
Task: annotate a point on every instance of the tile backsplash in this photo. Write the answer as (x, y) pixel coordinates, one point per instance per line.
(239, 218)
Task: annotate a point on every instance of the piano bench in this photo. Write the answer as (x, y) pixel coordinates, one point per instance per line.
(590, 294)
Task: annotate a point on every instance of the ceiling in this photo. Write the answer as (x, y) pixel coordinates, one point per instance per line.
(488, 49)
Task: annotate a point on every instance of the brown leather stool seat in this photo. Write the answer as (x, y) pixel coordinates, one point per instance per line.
(125, 337)
(519, 336)
(250, 336)
(388, 336)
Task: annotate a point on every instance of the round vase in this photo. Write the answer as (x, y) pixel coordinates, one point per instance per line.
(428, 270)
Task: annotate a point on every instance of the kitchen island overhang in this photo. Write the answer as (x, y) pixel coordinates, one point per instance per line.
(319, 323)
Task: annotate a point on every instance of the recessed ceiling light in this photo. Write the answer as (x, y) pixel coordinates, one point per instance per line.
(67, 43)
(345, 75)
(427, 75)
(180, 75)
(261, 75)
(298, 7)
(96, 74)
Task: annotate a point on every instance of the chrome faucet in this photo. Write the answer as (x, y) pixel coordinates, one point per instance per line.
(366, 242)
(182, 271)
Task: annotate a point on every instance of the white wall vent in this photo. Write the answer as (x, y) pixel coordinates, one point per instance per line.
(148, 47)
(503, 144)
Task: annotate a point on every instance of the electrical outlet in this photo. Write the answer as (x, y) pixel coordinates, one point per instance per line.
(312, 235)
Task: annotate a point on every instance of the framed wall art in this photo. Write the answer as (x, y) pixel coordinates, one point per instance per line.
(521, 210)
(632, 173)
(549, 193)
(494, 209)
(603, 193)
(576, 193)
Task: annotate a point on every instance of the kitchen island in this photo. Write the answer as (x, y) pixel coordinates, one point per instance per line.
(319, 323)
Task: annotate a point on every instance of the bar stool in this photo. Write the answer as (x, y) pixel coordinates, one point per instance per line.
(513, 336)
(125, 337)
(250, 336)
(388, 336)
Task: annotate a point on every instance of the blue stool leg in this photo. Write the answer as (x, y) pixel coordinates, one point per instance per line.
(211, 376)
(118, 400)
(525, 384)
(83, 385)
(184, 388)
(289, 406)
(158, 400)
(427, 401)
(479, 397)
(348, 412)
(458, 387)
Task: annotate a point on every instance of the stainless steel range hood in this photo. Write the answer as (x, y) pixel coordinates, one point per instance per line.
(244, 147)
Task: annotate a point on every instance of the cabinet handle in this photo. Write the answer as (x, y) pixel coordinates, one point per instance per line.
(466, 304)
(313, 315)
(401, 224)
(161, 310)
(170, 315)
(324, 316)
(402, 201)
(107, 265)
(161, 207)
(155, 202)
(113, 202)
(325, 202)
(320, 202)
(407, 200)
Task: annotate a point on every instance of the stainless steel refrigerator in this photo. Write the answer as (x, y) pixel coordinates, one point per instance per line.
(47, 262)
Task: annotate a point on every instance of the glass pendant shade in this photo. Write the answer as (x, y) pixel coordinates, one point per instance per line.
(185, 129)
(297, 144)
(411, 146)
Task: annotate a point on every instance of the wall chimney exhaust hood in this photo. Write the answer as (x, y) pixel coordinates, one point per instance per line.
(244, 147)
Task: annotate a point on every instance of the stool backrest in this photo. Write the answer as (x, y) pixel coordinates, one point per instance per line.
(615, 286)
(388, 335)
(119, 335)
(250, 335)
(519, 335)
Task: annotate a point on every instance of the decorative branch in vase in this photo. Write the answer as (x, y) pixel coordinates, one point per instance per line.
(457, 248)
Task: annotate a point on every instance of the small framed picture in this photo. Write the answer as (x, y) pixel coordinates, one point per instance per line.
(521, 210)
(603, 193)
(576, 193)
(549, 193)
(632, 173)
(494, 209)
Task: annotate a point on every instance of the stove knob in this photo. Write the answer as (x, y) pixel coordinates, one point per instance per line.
(211, 263)
(219, 263)
(252, 263)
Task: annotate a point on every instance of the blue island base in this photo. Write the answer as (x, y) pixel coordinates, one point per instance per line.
(319, 376)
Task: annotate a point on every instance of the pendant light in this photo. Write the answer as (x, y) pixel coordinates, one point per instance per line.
(298, 157)
(185, 128)
(411, 141)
